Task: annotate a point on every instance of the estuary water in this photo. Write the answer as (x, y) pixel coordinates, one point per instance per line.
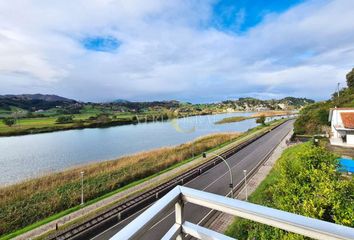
(23, 157)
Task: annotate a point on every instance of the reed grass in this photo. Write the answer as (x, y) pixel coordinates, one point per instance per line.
(30, 201)
(232, 119)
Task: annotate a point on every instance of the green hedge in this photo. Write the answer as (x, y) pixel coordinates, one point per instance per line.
(304, 181)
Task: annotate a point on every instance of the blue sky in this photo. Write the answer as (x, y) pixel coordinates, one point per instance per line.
(190, 50)
(100, 43)
(241, 15)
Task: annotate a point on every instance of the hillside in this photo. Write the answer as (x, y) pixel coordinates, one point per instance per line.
(313, 119)
(254, 104)
(33, 102)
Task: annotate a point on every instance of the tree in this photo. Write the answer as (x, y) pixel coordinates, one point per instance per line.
(64, 119)
(261, 120)
(9, 121)
(350, 79)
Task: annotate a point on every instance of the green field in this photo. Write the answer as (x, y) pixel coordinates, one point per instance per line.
(48, 124)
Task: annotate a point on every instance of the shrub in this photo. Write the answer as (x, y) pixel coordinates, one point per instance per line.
(304, 181)
(64, 119)
(9, 121)
(261, 120)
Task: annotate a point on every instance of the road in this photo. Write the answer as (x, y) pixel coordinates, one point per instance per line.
(215, 180)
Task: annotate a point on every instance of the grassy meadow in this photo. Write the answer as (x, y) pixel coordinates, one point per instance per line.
(34, 200)
(49, 124)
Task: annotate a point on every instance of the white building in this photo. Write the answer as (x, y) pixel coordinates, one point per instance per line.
(342, 126)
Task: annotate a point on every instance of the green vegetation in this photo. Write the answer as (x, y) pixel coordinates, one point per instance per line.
(232, 119)
(261, 120)
(31, 201)
(313, 119)
(304, 181)
(350, 79)
(64, 119)
(9, 121)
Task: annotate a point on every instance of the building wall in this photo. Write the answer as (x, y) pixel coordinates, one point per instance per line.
(350, 138)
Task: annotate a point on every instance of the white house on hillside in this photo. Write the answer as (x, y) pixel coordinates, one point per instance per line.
(342, 126)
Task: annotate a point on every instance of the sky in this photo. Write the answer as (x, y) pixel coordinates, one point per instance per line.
(188, 50)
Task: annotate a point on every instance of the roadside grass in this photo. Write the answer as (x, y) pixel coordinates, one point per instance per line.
(39, 182)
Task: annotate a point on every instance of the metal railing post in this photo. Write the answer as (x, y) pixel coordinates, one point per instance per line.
(179, 216)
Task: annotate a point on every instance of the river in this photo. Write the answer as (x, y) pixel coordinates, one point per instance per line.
(23, 157)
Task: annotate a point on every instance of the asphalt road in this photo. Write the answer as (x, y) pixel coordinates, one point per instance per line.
(216, 180)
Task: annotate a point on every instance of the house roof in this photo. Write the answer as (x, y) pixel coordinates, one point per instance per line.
(348, 119)
(338, 109)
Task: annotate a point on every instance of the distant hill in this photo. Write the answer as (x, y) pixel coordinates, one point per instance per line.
(250, 103)
(298, 102)
(38, 96)
(121, 101)
(33, 102)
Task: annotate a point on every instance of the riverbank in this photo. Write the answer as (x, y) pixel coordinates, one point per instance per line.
(120, 192)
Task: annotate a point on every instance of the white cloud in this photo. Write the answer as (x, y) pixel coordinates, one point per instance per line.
(169, 51)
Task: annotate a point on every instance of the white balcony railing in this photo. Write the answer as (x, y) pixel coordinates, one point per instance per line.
(305, 226)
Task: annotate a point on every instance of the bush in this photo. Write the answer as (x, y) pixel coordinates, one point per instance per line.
(64, 119)
(261, 120)
(9, 121)
(304, 181)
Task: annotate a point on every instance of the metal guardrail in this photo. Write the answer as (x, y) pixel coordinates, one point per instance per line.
(132, 205)
(305, 226)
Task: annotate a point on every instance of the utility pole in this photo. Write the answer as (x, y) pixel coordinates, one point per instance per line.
(338, 90)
